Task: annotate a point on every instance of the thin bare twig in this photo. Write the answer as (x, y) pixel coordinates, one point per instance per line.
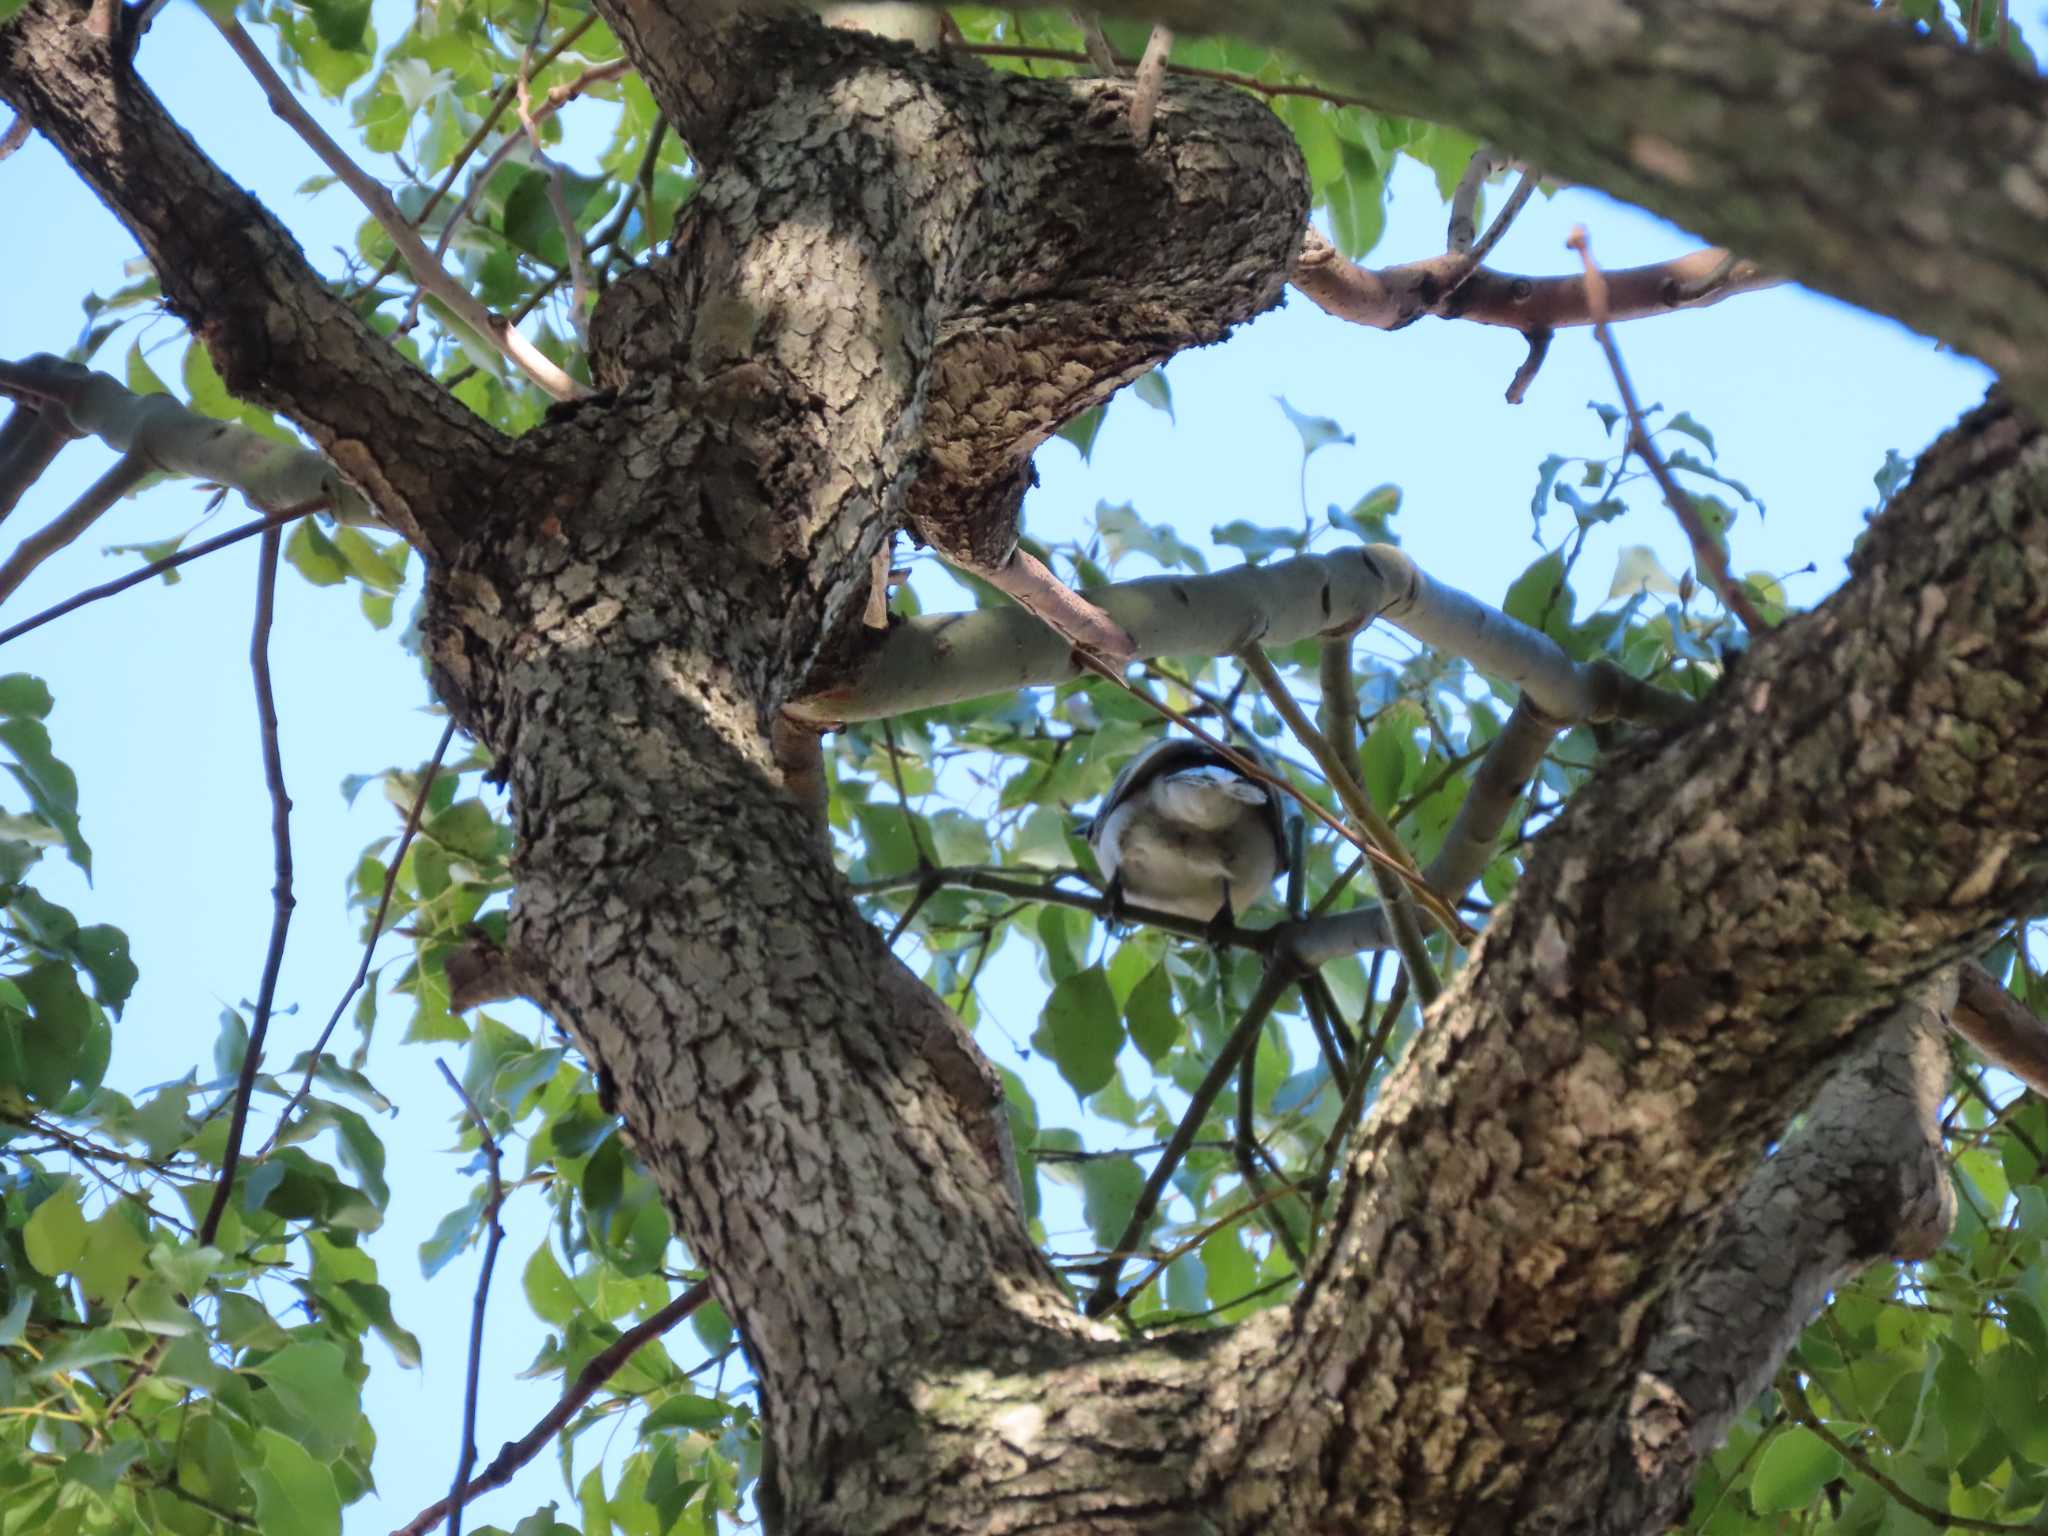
(1151, 77)
(127, 472)
(1343, 778)
(1100, 56)
(1464, 226)
(1227, 77)
(494, 1234)
(1713, 562)
(600, 1368)
(464, 306)
(1502, 221)
(281, 889)
(30, 439)
(15, 136)
(1272, 986)
(475, 141)
(412, 826)
(120, 584)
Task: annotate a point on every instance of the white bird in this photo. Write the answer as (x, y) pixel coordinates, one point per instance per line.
(1183, 831)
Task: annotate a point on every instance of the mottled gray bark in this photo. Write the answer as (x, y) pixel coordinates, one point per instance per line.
(1863, 1179)
(897, 275)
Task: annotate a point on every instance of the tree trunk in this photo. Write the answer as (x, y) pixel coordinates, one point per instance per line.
(898, 276)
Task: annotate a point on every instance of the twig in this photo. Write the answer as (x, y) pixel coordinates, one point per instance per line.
(1464, 227)
(281, 890)
(1275, 982)
(494, 1234)
(427, 272)
(1195, 1240)
(475, 141)
(1151, 76)
(127, 472)
(1227, 77)
(120, 584)
(1539, 348)
(600, 1368)
(1099, 55)
(556, 98)
(412, 826)
(1247, 1151)
(1343, 778)
(558, 194)
(1517, 200)
(15, 136)
(1712, 561)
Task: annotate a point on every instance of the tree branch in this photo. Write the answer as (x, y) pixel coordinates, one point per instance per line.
(938, 659)
(2005, 1031)
(1451, 287)
(466, 309)
(599, 1369)
(277, 334)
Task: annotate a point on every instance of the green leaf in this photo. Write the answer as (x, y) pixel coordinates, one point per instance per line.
(103, 952)
(52, 788)
(1683, 422)
(548, 1290)
(21, 694)
(1317, 432)
(1540, 598)
(295, 1495)
(1124, 532)
(342, 23)
(311, 1380)
(1152, 389)
(1794, 1468)
(1082, 430)
(1256, 542)
(1110, 1187)
(1082, 1032)
(313, 554)
(142, 378)
(1153, 1020)
(1370, 515)
(55, 1233)
(686, 1411)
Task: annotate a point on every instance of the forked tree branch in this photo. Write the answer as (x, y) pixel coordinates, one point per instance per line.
(278, 335)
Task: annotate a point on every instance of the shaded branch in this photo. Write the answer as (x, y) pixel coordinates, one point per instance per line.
(2004, 1030)
(30, 440)
(126, 473)
(166, 436)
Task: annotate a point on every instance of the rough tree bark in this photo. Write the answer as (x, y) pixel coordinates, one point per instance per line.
(899, 275)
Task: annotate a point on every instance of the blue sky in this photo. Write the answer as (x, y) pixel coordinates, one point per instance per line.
(154, 704)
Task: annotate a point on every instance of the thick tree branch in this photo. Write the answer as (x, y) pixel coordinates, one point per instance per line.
(1720, 914)
(2004, 1030)
(939, 659)
(1450, 287)
(1794, 134)
(276, 332)
(1863, 1179)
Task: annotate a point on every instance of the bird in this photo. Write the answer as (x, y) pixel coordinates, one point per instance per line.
(1183, 830)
